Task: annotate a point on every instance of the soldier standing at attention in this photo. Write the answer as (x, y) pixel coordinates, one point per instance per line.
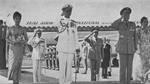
(39, 48)
(127, 44)
(95, 53)
(84, 55)
(67, 44)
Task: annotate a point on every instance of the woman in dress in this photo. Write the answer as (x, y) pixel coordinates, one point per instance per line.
(144, 46)
(38, 53)
(17, 39)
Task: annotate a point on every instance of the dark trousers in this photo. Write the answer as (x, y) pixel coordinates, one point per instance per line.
(77, 62)
(50, 63)
(56, 63)
(2, 54)
(95, 65)
(53, 62)
(47, 63)
(104, 71)
(126, 61)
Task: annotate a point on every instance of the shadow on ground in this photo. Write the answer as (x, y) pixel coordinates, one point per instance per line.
(26, 78)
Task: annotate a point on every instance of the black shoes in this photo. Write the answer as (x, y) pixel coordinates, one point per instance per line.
(109, 73)
(77, 71)
(105, 77)
(85, 72)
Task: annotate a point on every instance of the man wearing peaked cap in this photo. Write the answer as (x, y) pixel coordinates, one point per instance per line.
(127, 44)
(95, 30)
(127, 9)
(67, 44)
(67, 7)
(95, 53)
(67, 10)
(38, 53)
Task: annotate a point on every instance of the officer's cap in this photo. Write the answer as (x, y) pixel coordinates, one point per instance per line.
(95, 29)
(125, 9)
(67, 7)
(38, 31)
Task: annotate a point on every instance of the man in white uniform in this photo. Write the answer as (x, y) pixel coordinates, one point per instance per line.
(39, 48)
(67, 44)
(84, 54)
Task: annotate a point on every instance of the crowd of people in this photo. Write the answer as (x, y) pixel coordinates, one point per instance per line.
(60, 57)
(83, 55)
(52, 61)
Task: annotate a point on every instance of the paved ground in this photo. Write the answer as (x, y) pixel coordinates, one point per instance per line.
(51, 77)
(82, 77)
(26, 78)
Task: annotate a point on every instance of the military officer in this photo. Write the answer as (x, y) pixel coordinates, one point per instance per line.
(84, 54)
(127, 44)
(67, 44)
(95, 53)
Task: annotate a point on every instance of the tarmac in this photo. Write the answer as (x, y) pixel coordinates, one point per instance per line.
(51, 77)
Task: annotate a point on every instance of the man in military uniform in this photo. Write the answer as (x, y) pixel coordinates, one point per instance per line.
(84, 54)
(67, 44)
(95, 53)
(127, 45)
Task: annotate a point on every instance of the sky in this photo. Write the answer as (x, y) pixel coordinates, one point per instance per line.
(104, 11)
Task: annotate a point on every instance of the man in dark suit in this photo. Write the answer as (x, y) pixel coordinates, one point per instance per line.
(127, 44)
(95, 53)
(106, 58)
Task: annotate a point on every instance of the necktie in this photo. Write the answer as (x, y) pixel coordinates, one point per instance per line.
(127, 25)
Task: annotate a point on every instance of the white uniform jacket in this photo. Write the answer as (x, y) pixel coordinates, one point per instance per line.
(68, 38)
(39, 47)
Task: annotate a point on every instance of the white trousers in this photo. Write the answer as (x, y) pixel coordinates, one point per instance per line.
(36, 70)
(65, 61)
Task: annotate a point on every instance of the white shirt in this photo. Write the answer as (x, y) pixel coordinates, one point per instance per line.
(68, 39)
(38, 48)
